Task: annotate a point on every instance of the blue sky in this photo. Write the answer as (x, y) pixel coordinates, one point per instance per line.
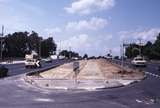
(88, 26)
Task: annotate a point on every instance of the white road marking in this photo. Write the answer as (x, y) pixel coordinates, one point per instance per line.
(147, 101)
(149, 73)
(139, 101)
(44, 100)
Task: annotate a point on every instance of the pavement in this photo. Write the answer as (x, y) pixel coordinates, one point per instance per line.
(15, 93)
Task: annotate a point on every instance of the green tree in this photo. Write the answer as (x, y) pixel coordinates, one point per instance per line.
(20, 43)
(15, 44)
(85, 56)
(69, 54)
(132, 50)
(48, 46)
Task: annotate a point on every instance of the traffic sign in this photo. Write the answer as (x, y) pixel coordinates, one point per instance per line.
(76, 67)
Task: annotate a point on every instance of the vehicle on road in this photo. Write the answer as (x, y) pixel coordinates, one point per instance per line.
(48, 60)
(75, 58)
(3, 71)
(61, 57)
(139, 61)
(32, 61)
(54, 57)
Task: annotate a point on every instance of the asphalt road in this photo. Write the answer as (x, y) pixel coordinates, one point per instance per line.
(15, 93)
(16, 69)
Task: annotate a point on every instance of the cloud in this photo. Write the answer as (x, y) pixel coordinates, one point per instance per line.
(145, 34)
(18, 23)
(84, 43)
(75, 42)
(94, 23)
(16, 15)
(4, 1)
(53, 30)
(89, 6)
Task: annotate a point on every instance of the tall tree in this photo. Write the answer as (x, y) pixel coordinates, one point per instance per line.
(20, 43)
(48, 46)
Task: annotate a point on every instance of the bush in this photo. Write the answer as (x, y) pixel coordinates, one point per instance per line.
(3, 71)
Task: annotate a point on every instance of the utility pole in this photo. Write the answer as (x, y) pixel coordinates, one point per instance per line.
(70, 52)
(123, 46)
(122, 54)
(40, 49)
(59, 50)
(140, 46)
(1, 39)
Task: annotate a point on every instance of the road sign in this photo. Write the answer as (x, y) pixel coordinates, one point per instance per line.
(76, 67)
(76, 70)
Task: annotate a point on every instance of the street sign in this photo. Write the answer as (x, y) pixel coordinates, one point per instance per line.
(76, 70)
(76, 67)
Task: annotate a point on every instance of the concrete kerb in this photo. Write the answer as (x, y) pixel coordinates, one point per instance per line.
(29, 80)
(80, 86)
(106, 84)
(73, 87)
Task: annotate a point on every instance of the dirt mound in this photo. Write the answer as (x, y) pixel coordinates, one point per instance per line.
(92, 69)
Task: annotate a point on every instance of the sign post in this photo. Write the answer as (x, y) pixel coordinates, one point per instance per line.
(76, 70)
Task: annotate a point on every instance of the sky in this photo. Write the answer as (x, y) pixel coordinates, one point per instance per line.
(95, 27)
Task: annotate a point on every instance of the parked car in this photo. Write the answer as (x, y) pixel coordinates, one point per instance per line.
(139, 61)
(3, 71)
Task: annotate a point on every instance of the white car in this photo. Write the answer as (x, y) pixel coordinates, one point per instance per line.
(48, 60)
(139, 61)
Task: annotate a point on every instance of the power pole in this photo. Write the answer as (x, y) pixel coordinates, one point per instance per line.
(59, 50)
(140, 46)
(40, 49)
(70, 52)
(1, 39)
(122, 54)
(123, 46)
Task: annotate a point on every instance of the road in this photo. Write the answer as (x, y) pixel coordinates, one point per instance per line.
(15, 93)
(16, 69)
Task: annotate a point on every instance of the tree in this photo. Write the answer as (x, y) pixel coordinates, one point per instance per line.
(34, 41)
(85, 56)
(156, 47)
(48, 46)
(149, 50)
(20, 43)
(132, 50)
(69, 54)
(15, 44)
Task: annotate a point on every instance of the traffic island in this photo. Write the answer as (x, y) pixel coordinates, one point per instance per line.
(85, 75)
